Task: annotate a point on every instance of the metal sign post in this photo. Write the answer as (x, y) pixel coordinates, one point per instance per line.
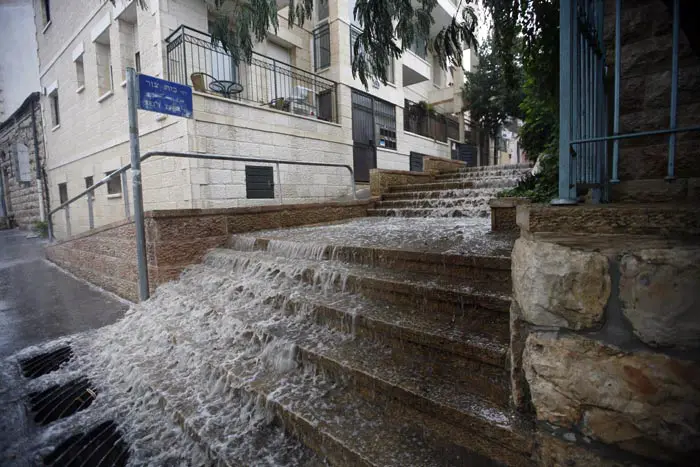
(155, 95)
(133, 92)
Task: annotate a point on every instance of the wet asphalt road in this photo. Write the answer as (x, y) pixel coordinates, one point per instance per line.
(38, 302)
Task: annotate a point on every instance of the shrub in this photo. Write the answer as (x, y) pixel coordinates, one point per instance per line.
(540, 188)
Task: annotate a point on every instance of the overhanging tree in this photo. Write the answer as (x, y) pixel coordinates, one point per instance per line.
(389, 27)
(488, 95)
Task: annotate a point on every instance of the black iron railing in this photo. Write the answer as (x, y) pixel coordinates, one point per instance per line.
(419, 119)
(264, 80)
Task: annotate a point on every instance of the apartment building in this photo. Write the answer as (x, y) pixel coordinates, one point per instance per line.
(296, 100)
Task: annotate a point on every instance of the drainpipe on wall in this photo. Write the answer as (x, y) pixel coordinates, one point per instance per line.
(39, 185)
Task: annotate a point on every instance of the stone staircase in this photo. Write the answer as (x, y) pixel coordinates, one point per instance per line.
(374, 355)
(456, 194)
(370, 342)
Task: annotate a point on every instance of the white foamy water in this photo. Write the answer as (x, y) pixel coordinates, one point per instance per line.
(437, 201)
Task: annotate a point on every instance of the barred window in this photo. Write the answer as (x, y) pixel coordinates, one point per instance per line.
(322, 47)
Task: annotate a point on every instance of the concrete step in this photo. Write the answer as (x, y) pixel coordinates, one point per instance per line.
(487, 168)
(452, 185)
(433, 203)
(442, 194)
(512, 174)
(491, 273)
(368, 397)
(426, 292)
(426, 212)
(664, 219)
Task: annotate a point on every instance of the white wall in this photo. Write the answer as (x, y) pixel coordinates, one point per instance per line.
(19, 64)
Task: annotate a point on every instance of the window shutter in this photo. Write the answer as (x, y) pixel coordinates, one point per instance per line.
(259, 182)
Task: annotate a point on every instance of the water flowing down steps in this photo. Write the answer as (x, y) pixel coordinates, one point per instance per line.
(464, 193)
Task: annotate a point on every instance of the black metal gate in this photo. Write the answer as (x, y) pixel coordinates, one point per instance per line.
(364, 151)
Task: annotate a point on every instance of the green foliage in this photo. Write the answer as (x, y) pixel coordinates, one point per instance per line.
(41, 228)
(488, 97)
(540, 188)
(540, 130)
(527, 32)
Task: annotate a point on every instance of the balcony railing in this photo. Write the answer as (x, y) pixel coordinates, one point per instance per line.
(265, 81)
(418, 119)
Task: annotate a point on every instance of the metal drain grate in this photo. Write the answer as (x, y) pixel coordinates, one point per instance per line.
(61, 401)
(102, 446)
(46, 362)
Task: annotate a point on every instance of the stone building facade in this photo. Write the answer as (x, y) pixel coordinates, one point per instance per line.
(85, 47)
(22, 194)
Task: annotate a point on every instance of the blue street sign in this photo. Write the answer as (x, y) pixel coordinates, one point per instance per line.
(159, 95)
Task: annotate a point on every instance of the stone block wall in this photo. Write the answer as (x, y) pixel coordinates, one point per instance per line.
(105, 257)
(176, 239)
(605, 347)
(503, 213)
(380, 179)
(441, 164)
(646, 89)
(24, 198)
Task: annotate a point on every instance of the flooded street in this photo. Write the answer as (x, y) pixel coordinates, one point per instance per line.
(38, 302)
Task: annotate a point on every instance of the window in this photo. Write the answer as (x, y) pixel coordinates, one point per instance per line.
(322, 47)
(55, 111)
(24, 170)
(321, 10)
(354, 34)
(88, 182)
(128, 39)
(385, 120)
(114, 185)
(79, 72)
(259, 182)
(62, 192)
(137, 61)
(415, 161)
(438, 72)
(325, 105)
(420, 47)
(46, 10)
(103, 52)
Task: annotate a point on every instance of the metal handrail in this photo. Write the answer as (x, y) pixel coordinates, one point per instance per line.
(196, 155)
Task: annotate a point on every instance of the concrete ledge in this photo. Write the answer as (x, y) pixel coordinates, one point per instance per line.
(175, 239)
(664, 219)
(381, 179)
(441, 164)
(503, 213)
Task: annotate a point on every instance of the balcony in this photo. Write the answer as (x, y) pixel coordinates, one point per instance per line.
(419, 119)
(415, 68)
(193, 60)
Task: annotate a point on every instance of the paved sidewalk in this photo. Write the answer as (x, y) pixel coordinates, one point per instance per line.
(39, 302)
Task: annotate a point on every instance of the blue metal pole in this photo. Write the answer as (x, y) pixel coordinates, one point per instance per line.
(565, 87)
(618, 72)
(674, 91)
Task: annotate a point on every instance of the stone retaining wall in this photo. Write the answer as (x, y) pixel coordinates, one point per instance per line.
(503, 213)
(605, 345)
(381, 179)
(441, 165)
(176, 239)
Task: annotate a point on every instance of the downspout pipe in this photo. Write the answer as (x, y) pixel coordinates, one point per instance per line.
(37, 158)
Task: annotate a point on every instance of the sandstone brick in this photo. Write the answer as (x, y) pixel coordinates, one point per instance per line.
(642, 402)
